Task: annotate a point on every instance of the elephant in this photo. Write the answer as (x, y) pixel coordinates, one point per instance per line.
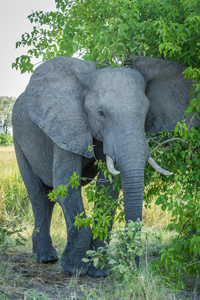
(69, 105)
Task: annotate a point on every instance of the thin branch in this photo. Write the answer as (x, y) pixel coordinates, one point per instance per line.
(186, 40)
(190, 125)
(81, 53)
(161, 154)
(114, 204)
(167, 141)
(154, 140)
(97, 180)
(37, 63)
(197, 262)
(182, 229)
(190, 233)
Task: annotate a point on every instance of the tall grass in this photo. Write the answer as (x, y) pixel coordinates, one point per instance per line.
(13, 194)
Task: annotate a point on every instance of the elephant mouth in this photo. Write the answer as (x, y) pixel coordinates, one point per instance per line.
(151, 161)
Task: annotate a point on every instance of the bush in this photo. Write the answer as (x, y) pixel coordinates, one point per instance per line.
(6, 139)
(126, 244)
(8, 229)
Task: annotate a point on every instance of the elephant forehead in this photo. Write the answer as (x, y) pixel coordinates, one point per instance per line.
(118, 79)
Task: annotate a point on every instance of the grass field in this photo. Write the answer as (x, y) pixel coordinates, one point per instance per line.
(22, 278)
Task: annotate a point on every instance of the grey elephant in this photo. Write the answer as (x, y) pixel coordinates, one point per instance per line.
(69, 105)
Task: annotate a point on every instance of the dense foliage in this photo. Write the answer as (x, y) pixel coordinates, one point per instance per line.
(115, 31)
(180, 194)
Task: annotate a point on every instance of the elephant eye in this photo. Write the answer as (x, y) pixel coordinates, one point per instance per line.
(101, 113)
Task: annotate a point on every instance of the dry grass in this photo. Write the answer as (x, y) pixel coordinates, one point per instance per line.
(9, 149)
(13, 195)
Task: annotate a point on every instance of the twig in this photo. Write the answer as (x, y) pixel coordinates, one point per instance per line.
(187, 40)
(182, 229)
(167, 141)
(190, 233)
(37, 63)
(97, 180)
(190, 125)
(161, 154)
(197, 262)
(113, 204)
(155, 139)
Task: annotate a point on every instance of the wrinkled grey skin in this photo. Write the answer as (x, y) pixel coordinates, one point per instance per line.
(69, 105)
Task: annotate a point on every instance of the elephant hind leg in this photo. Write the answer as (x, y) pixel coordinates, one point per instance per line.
(42, 209)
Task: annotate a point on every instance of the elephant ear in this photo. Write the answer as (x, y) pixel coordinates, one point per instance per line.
(53, 100)
(167, 90)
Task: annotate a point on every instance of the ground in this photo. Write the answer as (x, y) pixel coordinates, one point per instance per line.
(23, 278)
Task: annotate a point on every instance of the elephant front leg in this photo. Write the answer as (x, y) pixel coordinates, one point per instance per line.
(78, 241)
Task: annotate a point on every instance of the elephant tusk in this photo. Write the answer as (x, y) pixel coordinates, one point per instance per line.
(110, 166)
(157, 167)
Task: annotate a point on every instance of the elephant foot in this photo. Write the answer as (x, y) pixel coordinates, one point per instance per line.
(83, 270)
(97, 272)
(44, 250)
(47, 256)
(74, 268)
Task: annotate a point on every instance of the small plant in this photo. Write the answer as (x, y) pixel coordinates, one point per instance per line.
(8, 229)
(119, 256)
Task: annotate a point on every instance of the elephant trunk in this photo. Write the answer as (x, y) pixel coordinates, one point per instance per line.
(132, 184)
(131, 163)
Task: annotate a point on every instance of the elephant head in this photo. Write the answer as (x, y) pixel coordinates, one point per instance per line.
(75, 102)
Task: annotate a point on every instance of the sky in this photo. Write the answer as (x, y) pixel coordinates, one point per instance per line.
(13, 23)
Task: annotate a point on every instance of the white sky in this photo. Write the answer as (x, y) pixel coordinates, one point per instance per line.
(13, 23)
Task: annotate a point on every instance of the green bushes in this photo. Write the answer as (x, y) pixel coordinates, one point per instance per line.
(8, 229)
(120, 254)
(180, 195)
(5, 139)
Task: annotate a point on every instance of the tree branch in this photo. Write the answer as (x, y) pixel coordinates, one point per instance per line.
(197, 262)
(186, 40)
(167, 141)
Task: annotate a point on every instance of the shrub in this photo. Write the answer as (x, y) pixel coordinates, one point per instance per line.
(5, 139)
(120, 254)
